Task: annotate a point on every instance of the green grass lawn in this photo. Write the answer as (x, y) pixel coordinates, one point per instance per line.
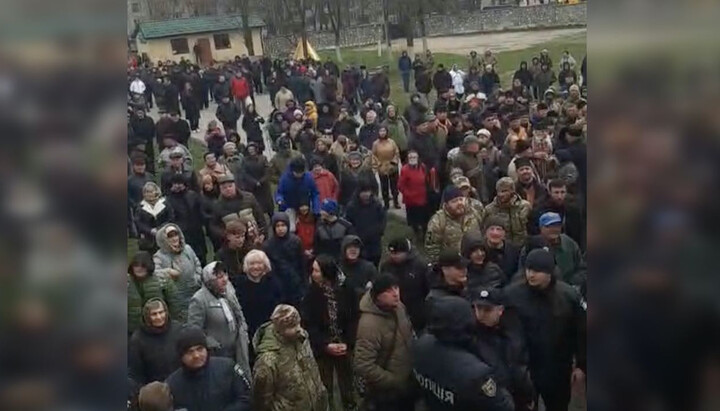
(508, 61)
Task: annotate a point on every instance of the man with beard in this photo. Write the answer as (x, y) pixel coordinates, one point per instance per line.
(449, 374)
(143, 128)
(204, 382)
(491, 123)
(448, 225)
(509, 206)
(177, 166)
(552, 314)
(529, 188)
(558, 202)
(500, 343)
(236, 203)
(369, 218)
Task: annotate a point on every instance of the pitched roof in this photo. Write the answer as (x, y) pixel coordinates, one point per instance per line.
(191, 25)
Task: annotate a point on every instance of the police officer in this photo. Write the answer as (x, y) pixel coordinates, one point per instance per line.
(553, 316)
(449, 375)
(500, 343)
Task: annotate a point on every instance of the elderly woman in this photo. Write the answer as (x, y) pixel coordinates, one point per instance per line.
(330, 315)
(213, 167)
(176, 261)
(216, 310)
(258, 290)
(151, 349)
(152, 212)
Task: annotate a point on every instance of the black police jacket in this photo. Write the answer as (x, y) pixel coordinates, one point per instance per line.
(553, 320)
(504, 349)
(451, 378)
(220, 385)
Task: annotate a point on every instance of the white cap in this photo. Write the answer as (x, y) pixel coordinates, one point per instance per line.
(485, 132)
(481, 96)
(469, 97)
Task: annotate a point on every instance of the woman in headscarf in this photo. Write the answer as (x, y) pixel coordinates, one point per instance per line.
(215, 138)
(143, 285)
(151, 350)
(152, 212)
(216, 310)
(176, 261)
(330, 315)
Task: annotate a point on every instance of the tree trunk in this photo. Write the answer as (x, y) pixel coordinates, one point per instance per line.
(303, 29)
(335, 19)
(409, 28)
(423, 33)
(247, 32)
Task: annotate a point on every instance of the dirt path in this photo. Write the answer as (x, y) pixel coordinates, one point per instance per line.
(497, 42)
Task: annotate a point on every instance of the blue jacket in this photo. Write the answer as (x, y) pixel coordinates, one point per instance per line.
(291, 191)
(404, 64)
(220, 385)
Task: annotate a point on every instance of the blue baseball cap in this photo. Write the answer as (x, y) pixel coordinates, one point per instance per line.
(550, 219)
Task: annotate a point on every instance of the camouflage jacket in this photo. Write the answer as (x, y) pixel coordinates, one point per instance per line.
(516, 216)
(286, 374)
(446, 232)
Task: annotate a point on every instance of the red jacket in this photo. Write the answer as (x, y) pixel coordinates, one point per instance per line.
(327, 186)
(413, 185)
(305, 229)
(240, 87)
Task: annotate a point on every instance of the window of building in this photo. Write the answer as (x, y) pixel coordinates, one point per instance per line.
(179, 46)
(222, 41)
(135, 7)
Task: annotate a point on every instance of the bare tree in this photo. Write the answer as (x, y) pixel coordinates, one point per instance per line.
(335, 8)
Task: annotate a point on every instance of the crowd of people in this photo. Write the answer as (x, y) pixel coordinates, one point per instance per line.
(261, 279)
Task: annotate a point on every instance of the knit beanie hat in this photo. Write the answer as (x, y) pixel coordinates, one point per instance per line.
(522, 162)
(451, 193)
(382, 283)
(329, 206)
(190, 337)
(540, 260)
(495, 221)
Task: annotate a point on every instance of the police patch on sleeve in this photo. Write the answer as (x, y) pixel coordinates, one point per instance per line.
(489, 387)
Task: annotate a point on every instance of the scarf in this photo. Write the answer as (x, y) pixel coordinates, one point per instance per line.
(332, 305)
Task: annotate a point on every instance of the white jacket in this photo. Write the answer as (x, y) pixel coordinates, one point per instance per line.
(458, 77)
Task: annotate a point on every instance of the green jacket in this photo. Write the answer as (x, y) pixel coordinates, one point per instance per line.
(570, 261)
(398, 130)
(443, 231)
(286, 374)
(516, 216)
(141, 291)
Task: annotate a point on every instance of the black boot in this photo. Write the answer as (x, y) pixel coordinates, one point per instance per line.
(397, 203)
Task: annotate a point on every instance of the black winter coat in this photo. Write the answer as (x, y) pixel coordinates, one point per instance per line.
(151, 353)
(488, 275)
(143, 129)
(369, 134)
(316, 319)
(412, 275)
(227, 114)
(258, 300)
(189, 176)
(145, 221)
(181, 130)
(189, 217)
(219, 385)
(347, 127)
(442, 80)
(553, 321)
(369, 221)
(328, 237)
(349, 182)
(504, 349)
(288, 261)
(256, 170)
(507, 257)
(423, 83)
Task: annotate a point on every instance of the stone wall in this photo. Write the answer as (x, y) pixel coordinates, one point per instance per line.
(515, 18)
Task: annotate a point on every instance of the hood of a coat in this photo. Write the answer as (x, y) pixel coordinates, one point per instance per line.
(162, 240)
(266, 340)
(347, 240)
(277, 217)
(310, 108)
(471, 241)
(451, 319)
